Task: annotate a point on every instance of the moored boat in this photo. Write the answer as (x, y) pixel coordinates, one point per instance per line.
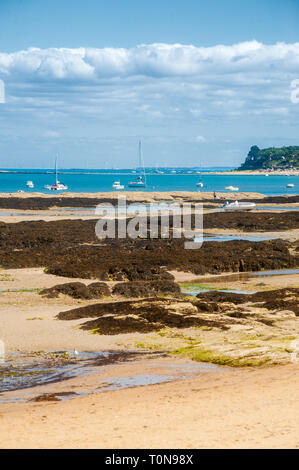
(139, 182)
(57, 186)
(117, 185)
(200, 183)
(238, 206)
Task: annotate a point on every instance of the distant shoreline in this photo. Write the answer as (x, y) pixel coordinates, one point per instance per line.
(278, 172)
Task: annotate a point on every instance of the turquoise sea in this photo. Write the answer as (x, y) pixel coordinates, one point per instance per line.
(184, 179)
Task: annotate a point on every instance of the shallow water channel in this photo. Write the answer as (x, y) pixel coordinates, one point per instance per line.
(40, 377)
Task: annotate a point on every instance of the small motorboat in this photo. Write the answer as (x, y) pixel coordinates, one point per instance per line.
(238, 206)
(290, 185)
(30, 184)
(117, 185)
(232, 188)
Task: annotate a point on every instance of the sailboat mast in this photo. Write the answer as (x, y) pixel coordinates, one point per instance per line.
(141, 162)
(56, 180)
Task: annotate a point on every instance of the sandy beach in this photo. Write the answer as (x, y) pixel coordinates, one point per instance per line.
(231, 380)
(135, 196)
(144, 196)
(230, 409)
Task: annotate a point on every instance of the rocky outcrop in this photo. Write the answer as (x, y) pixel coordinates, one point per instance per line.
(218, 310)
(78, 290)
(146, 288)
(139, 316)
(280, 299)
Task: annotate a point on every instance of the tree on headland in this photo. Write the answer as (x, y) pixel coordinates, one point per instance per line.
(253, 152)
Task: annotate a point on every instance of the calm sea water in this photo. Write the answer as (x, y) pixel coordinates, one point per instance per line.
(90, 183)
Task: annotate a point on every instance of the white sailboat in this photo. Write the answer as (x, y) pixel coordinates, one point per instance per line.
(199, 184)
(30, 184)
(139, 182)
(57, 186)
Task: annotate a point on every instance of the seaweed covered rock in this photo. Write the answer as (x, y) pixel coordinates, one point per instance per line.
(70, 248)
(140, 316)
(99, 289)
(106, 265)
(146, 288)
(279, 299)
(121, 324)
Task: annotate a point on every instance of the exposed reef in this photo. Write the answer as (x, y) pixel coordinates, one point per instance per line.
(209, 310)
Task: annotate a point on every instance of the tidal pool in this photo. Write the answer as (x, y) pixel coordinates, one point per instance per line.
(194, 290)
(228, 238)
(117, 383)
(18, 371)
(31, 379)
(178, 372)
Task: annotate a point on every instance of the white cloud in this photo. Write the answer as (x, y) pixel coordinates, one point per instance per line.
(200, 138)
(273, 110)
(167, 91)
(154, 60)
(51, 134)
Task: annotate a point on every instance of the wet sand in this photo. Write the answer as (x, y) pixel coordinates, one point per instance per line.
(15, 215)
(133, 196)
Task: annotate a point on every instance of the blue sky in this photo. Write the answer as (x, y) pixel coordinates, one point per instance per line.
(199, 82)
